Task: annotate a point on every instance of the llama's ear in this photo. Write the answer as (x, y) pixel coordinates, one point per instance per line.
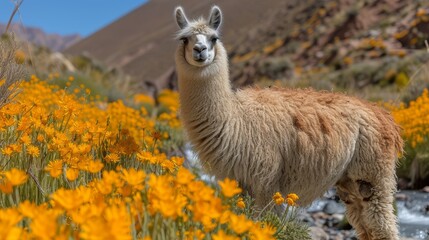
(215, 18)
(181, 19)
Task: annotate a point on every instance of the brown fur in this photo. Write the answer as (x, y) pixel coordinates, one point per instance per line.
(293, 140)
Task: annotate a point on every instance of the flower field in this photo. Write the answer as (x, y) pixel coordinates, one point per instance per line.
(414, 120)
(76, 167)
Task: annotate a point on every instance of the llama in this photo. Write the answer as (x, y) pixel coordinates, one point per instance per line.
(286, 140)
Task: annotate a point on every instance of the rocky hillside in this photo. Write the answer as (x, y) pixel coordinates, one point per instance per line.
(38, 37)
(357, 45)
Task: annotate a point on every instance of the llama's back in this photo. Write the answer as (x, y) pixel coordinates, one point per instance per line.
(318, 133)
(321, 114)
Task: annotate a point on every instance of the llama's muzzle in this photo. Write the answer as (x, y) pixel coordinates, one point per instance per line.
(200, 53)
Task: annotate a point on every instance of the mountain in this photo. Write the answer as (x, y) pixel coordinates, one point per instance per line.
(37, 36)
(357, 45)
(142, 42)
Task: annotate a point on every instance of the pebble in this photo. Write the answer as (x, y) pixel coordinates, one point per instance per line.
(318, 233)
(401, 197)
(426, 189)
(333, 207)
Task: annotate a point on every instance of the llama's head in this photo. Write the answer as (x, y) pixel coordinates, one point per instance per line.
(199, 38)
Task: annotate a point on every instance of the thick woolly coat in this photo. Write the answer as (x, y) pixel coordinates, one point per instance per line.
(285, 140)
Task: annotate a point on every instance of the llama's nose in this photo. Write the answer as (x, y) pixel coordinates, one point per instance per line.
(199, 47)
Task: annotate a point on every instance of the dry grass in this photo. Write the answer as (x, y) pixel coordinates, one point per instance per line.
(11, 71)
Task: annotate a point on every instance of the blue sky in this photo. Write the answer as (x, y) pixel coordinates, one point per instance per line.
(68, 16)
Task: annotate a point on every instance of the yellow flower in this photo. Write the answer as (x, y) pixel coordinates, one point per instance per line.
(290, 201)
(40, 138)
(16, 233)
(25, 139)
(262, 233)
(55, 168)
(7, 151)
(16, 177)
(240, 224)
(164, 198)
(221, 235)
(277, 195)
(71, 199)
(229, 187)
(9, 218)
(112, 157)
(6, 187)
(113, 223)
(279, 201)
(134, 178)
(278, 198)
(240, 203)
(292, 196)
(33, 151)
(28, 209)
(184, 176)
(72, 174)
(95, 166)
(44, 226)
(177, 160)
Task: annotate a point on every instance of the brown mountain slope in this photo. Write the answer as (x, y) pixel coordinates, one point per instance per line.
(142, 44)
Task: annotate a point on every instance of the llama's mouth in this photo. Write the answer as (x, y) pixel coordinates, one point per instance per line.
(200, 56)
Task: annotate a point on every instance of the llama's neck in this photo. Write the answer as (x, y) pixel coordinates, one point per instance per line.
(204, 90)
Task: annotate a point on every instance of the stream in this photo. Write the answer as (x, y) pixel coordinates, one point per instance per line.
(413, 215)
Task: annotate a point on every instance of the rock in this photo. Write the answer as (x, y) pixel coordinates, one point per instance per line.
(330, 194)
(425, 189)
(333, 207)
(58, 59)
(350, 235)
(319, 215)
(318, 233)
(351, 238)
(338, 237)
(401, 197)
(306, 218)
(338, 217)
(425, 209)
(331, 222)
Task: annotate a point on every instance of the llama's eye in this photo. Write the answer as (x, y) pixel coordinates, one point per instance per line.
(214, 39)
(184, 40)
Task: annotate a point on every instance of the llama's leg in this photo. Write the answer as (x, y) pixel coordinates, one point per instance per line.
(347, 190)
(378, 213)
(370, 207)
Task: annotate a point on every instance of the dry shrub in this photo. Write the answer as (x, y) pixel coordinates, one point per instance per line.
(11, 70)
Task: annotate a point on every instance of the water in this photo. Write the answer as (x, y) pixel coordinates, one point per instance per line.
(413, 221)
